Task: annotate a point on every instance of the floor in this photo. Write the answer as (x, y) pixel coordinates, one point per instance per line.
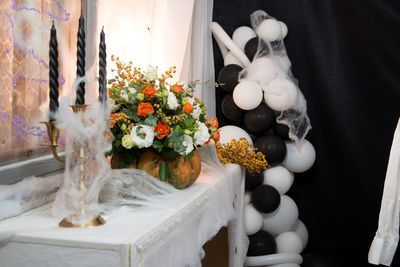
(217, 253)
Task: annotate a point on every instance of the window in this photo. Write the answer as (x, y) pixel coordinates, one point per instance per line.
(24, 37)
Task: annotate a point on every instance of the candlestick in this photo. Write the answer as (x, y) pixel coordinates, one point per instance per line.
(80, 64)
(102, 68)
(53, 73)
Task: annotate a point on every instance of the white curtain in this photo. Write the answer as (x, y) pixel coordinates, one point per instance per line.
(161, 33)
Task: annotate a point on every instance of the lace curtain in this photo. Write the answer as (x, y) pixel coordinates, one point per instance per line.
(24, 38)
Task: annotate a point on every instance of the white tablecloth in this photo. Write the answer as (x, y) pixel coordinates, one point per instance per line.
(141, 237)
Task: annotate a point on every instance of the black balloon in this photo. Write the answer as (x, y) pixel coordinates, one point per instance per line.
(253, 179)
(228, 77)
(282, 130)
(250, 49)
(265, 198)
(261, 243)
(252, 136)
(317, 260)
(260, 119)
(273, 148)
(230, 110)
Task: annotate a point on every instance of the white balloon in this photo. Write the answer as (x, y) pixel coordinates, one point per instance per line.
(230, 58)
(229, 132)
(301, 230)
(299, 159)
(280, 94)
(284, 30)
(247, 198)
(253, 220)
(247, 95)
(262, 70)
(283, 218)
(285, 265)
(242, 35)
(278, 258)
(270, 30)
(289, 242)
(279, 177)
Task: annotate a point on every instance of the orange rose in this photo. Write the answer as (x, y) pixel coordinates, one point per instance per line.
(214, 123)
(216, 136)
(177, 88)
(161, 130)
(150, 92)
(188, 108)
(144, 109)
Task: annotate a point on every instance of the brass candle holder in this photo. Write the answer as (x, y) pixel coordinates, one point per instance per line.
(78, 156)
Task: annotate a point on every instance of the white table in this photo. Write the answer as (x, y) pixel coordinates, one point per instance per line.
(142, 237)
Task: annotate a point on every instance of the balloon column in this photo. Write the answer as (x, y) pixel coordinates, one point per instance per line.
(262, 94)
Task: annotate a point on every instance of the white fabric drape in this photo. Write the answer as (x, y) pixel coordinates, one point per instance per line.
(161, 33)
(384, 245)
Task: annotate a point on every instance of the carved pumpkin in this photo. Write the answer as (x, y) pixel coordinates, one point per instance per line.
(182, 173)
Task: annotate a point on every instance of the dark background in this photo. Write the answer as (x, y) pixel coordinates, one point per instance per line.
(345, 55)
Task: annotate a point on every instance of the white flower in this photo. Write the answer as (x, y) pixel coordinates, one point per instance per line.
(172, 102)
(202, 135)
(124, 95)
(127, 142)
(190, 100)
(132, 90)
(196, 112)
(142, 135)
(188, 143)
(151, 73)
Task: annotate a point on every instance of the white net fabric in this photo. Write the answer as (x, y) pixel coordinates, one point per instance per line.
(86, 167)
(295, 117)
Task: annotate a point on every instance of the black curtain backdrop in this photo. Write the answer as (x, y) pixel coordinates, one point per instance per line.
(345, 55)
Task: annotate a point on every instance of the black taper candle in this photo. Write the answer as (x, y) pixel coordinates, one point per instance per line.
(53, 73)
(102, 68)
(80, 63)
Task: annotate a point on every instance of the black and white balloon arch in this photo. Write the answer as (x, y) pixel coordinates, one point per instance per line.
(275, 115)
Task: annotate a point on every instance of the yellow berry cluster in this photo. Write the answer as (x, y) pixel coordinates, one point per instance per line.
(242, 153)
(121, 119)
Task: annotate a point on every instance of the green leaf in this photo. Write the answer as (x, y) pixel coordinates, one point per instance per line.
(189, 122)
(151, 120)
(163, 171)
(132, 115)
(155, 161)
(110, 81)
(157, 146)
(189, 156)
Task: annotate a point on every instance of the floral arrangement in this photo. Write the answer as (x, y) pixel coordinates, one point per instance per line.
(242, 153)
(149, 112)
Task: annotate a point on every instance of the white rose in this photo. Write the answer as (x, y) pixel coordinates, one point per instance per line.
(124, 95)
(196, 112)
(188, 143)
(127, 142)
(172, 102)
(151, 73)
(132, 90)
(202, 135)
(142, 135)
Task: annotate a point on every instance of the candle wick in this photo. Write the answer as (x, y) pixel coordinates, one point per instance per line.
(53, 22)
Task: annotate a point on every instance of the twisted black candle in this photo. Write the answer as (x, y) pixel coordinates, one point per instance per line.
(53, 73)
(102, 68)
(80, 63)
